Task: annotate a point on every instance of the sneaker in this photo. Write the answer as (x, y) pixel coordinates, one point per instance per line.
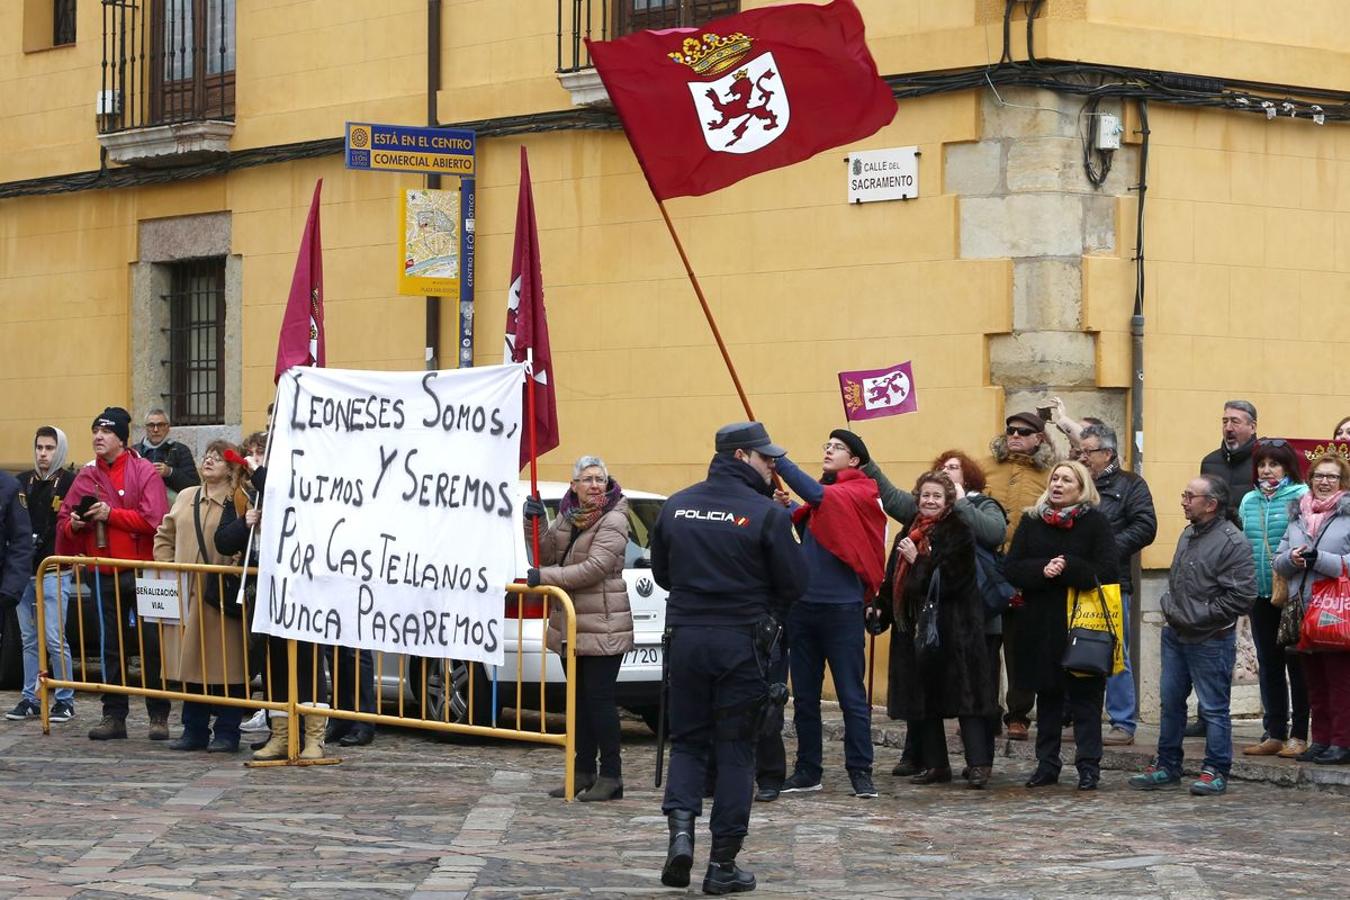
(26, 709)
(1118, 737)
(1209, 783)
(257, 723)
(1153, 778)
(1267, 746)
(799, 783)
(862, 785)
(63, 711)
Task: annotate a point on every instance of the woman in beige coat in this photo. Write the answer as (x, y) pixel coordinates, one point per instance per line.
(582, 552)
(206, 650)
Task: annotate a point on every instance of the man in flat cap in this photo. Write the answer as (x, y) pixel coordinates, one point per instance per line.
(113, 509)
(1015, 475)
(724, 550)
(843, 531)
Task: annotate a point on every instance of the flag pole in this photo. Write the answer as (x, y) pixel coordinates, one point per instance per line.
(534, 455)
(267, 455)
(707, 313)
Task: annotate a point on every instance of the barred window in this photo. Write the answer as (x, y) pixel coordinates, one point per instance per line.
(639, 15)
(196, 333)
(63, 22)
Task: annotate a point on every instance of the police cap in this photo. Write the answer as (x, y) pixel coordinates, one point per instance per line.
(747, 436)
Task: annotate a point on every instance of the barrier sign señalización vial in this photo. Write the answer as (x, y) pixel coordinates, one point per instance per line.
(402, 148)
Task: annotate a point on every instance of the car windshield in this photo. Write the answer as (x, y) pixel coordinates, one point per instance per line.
(642, 515)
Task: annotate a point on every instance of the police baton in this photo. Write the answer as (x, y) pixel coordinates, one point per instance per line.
(661, 705)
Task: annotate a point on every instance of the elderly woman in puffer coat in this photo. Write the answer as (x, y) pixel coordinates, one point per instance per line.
(582, 552)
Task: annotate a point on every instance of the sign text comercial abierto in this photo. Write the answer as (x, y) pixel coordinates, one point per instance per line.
(390, 515)
(405, 148)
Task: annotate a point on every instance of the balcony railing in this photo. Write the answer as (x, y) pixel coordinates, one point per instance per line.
(602, 19)
(166, 62)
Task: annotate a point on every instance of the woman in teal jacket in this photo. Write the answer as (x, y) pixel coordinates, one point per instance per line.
(1265, 515)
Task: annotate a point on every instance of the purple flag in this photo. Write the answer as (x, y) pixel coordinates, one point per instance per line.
(873, 393)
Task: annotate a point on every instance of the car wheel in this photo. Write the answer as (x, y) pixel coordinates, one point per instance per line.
(651, 715)
(457, 694)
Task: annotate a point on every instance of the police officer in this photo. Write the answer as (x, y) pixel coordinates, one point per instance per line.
(725, 551)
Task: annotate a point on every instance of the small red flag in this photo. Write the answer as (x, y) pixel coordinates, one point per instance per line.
(301, 340)
(873, 393)
(527, 321)
(705, 107)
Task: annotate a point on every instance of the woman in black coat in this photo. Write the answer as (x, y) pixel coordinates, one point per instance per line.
(1062, 542)
(933, 560)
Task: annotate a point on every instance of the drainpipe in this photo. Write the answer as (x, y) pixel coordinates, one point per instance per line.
(433, 182)
(1137, 378)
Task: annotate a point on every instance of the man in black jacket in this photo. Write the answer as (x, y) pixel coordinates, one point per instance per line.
(725, 551)
(16, 544)
(1233, 460)
(173, 461)
(1128, 505)
(44, 487)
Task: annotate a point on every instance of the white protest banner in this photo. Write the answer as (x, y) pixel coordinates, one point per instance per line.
(390, 519)
(157, 597)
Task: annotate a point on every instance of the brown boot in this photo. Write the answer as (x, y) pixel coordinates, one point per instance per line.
(159, 728)
(109, 728)
(275, 747)
(314, 732)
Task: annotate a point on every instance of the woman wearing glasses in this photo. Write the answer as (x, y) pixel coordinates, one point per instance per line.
(1061, 542)
(1316, 547)
(582, 552)
(205, 651)
(1265, 515)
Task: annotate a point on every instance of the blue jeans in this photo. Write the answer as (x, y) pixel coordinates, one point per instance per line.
(832, 633)
(1121, 705)
(55, 601)
(1208, 666)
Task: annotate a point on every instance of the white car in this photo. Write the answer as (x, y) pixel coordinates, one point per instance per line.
(639, 685)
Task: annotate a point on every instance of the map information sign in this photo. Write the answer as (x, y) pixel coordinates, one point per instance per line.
(431, 243)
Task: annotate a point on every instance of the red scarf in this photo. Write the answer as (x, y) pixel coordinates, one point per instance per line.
(849, 523)
(918, 533)
(1315, 512)
(1063, 518)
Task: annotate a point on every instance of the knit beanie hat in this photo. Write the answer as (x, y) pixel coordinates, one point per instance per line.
(115, 419)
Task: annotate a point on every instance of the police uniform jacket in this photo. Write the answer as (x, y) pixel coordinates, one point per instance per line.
(725, 550)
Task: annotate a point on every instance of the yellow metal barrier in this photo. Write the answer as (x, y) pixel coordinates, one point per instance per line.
(434, 712)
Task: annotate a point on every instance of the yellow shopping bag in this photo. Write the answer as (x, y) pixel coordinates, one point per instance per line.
(1094, 604)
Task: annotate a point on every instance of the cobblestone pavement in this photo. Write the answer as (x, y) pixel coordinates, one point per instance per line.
(409, 816)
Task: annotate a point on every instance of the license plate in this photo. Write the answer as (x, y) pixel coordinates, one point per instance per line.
(643, 656)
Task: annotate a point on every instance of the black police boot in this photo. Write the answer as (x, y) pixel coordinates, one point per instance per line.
(680, 855)
(724, 876)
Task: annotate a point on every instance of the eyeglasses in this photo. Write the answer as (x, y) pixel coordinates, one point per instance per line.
(833, 446)
(951, 465)
(1094, 450)
(1325, 476)
(211, 458)
(1187, 496)
(1022, 432)
(156, 425)
(1274, 442)
(592, 479)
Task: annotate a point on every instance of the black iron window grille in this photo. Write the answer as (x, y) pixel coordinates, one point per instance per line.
(167, 61)
(63, 22)
(196, 335)
(605, 19)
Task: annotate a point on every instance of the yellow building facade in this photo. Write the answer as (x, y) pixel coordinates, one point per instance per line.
(1010, 277)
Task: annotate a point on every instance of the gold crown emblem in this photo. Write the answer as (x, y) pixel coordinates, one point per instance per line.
(714, 54)
(853, 396)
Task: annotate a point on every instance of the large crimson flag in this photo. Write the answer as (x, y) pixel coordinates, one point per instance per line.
(301, 340)
(527, 322)
(705, 107)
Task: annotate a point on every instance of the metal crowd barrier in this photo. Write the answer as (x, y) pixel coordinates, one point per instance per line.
(426, 694)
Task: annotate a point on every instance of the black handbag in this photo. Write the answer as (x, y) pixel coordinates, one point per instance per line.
(1090, 652)
(927, 641)
(215, 583)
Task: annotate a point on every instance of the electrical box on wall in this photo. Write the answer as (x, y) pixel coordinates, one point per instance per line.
(1108, 132)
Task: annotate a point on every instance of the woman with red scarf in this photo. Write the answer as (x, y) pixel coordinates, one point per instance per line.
(582, 552)
(1315, 547)
(1062, 542)
(931, 572)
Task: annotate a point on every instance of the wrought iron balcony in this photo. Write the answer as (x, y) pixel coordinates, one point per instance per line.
(168, 80)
